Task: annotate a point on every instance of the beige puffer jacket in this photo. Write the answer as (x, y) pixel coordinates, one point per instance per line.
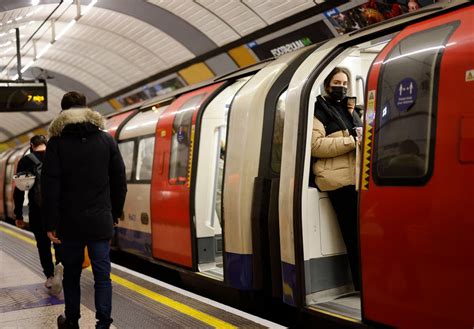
(336, 155)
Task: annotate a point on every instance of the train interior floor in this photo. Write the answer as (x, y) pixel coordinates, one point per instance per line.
(347, 305)
(139, 301)
(214, 270)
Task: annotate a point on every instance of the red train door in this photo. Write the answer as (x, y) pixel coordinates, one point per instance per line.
(416, 225)
(170, 190)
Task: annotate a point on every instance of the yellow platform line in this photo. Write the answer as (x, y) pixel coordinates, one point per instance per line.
(340, 316)
(180, 307)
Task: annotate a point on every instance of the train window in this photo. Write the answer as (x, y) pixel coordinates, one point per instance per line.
(180, 141)
(145, 158)
(278, 123)
(406, 108)
(126, 148)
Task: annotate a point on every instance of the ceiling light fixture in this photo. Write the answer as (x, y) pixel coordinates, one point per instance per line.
(27, 66)
(7, 50)
(43, 51)
(5, 44)
(89, 6)
(35, 2)
(68, 26)
(59, 35)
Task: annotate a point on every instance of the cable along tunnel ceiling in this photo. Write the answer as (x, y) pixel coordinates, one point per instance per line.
(118, 42)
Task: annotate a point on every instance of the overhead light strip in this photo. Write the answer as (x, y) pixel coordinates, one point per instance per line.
(68, 26)
(63, 31)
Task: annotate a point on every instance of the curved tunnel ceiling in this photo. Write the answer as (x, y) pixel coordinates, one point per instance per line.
(120, 42)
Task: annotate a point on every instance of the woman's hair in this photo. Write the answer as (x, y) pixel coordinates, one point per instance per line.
(335, 71)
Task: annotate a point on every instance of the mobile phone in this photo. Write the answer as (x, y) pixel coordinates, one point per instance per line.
(351, 101)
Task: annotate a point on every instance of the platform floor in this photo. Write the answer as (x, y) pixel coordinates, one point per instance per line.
(138, 301)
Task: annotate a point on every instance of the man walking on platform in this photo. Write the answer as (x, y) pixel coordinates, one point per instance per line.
(31, 164)
(84, 188)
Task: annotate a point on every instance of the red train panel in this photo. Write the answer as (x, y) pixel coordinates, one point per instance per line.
(3, 167)
(171, 225)
(416, 238)
(114, 122)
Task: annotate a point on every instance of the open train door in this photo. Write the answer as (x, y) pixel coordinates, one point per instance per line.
(315, 272)
(314, 265)
(173, 230)
(417, 257)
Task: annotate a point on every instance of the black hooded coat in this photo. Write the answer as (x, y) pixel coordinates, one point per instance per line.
(83, 177)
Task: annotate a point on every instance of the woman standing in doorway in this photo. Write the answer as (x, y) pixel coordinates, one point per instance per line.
(336, 134)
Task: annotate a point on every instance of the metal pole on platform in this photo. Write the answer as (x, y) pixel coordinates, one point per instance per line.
(18, 53)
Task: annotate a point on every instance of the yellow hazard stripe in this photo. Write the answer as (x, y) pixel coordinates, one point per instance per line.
(17, 235)
(366, 157)
(208, 319)
(180, 307)
(334, 314)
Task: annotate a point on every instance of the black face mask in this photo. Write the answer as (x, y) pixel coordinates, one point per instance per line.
(338, 92)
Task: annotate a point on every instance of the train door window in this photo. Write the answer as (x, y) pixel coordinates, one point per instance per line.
(145, 159)
(219, 172)
(126, 149)
(406, 108)
(278, 124)
(180, 141)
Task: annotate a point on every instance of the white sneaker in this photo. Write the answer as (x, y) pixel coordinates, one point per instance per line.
(49, 282)
(57, 281)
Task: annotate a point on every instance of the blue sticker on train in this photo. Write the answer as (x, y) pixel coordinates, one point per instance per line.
(405, 94)
(180, 136)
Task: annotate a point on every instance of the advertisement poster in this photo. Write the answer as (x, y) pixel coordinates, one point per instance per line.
(370, 13)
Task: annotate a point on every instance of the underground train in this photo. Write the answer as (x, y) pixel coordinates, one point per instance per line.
(218, 176)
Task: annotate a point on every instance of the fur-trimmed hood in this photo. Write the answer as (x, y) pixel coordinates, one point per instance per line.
(74, 116)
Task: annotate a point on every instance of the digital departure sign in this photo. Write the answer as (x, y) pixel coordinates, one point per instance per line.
(28, 96)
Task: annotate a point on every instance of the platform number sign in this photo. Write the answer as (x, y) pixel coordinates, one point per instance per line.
(405, 94)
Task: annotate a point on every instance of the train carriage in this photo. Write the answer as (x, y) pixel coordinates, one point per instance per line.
(314, 267)
(3, 180)
(218, 177)
(415, 228)
(10, 163)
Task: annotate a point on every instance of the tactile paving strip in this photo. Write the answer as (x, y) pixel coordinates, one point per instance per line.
(24, 297)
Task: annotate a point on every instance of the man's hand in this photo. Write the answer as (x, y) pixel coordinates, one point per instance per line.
(20, 223)
(52, 237)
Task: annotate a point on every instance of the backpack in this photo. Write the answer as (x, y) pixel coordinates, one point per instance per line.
(36, 189)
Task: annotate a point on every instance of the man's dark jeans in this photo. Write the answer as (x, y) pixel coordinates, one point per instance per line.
(43, 243)
(73, 256)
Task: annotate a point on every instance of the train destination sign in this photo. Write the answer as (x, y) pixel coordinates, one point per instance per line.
(28, 96)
